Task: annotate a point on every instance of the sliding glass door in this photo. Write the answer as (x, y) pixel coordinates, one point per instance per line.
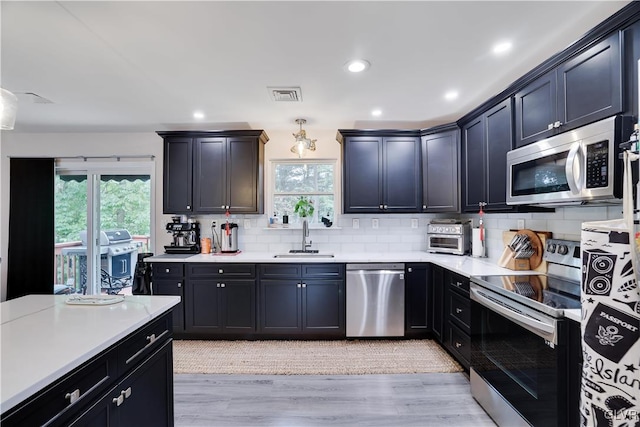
(103, 219)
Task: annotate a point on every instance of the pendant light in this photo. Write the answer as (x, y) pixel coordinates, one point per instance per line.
(302, 142)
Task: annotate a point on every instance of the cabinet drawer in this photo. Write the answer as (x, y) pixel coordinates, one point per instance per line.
(143, 342)
(196, 270)
(460, 311)
(458, 283)
(460, 345)
(323, 270)
(164, 270)
(268, 271)
(54, 405)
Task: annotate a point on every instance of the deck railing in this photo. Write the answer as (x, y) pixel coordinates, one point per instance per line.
(67, 267)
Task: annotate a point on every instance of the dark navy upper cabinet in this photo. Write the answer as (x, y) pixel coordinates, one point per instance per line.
(381, 171)
(581, 90)
(177, 172)
(486, 141)
(214, 171)
(440, 172)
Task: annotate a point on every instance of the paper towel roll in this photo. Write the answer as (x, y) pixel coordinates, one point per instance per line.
(477, 248)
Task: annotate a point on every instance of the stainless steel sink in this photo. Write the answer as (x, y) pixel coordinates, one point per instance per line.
(304, 255)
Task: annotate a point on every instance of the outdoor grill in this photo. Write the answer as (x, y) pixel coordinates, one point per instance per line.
(118, 256)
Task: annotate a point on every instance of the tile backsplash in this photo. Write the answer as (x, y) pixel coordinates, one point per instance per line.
(395, 234)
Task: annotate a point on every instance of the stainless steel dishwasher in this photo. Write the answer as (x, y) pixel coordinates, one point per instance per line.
(375, 300)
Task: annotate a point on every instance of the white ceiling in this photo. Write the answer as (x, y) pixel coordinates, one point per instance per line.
(124, 66)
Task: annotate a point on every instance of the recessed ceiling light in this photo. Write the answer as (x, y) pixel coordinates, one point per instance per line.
(358, 65)
(451, 95)
(501, 48)
(376, 112)
(198, 115)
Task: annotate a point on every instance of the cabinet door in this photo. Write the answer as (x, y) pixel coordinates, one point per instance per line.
(474, 165)
(362, 172)
(172, 287)
(323, 306)
(243, 186)
(437, 306)
(574, 371)
(239, 306)
(402, 178)
(440, 172)
(417, 299)
(202, 306)
(210, 170)
(590, 85)
(536, 110)
(280, 306)
(499, 141)
(177, 176)
(143, 398)
(150, 402)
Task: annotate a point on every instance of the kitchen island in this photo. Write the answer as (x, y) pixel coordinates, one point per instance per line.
(60, 361)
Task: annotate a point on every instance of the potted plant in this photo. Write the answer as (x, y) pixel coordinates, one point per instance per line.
(304, 207)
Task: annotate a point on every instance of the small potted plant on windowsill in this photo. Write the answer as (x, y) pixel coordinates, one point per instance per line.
(304, 208)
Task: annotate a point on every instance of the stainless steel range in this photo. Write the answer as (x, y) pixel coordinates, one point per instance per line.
(518, 339)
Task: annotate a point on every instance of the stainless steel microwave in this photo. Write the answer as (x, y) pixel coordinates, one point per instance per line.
(576, 167)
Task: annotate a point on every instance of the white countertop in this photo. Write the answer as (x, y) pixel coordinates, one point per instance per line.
(464, 265)
(42, 338)
(574, 314)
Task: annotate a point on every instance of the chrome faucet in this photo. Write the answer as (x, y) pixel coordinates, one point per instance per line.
(305, 234)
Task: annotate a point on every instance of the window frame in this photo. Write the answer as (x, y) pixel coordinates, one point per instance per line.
(271, 193)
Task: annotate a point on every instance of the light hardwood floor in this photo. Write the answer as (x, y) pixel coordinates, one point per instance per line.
(313, 400)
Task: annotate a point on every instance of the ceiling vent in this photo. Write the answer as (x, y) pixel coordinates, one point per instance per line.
(33, 98)
(285, 94)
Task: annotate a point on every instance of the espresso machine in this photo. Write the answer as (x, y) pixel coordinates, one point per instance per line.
(186, 237)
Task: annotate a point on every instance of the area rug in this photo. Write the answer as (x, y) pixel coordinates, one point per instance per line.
(342, 357)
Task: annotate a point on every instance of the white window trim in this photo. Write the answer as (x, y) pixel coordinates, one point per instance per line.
(337, 208)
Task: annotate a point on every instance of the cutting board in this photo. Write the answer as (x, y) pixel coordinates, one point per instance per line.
(542, 235)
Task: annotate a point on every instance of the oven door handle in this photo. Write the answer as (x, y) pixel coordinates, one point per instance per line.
(541, 329)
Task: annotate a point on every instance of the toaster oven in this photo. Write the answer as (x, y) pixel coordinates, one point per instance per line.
(449, 237)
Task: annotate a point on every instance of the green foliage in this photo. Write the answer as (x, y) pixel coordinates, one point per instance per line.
(304, 207)
(123, 204)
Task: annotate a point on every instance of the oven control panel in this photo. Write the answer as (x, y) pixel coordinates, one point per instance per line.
(564, 252)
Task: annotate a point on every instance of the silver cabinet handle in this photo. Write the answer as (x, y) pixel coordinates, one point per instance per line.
(188, 206)
(458, 284)
(73, 396)
(222, 207)
(220, 271)
(222, 285)
(118, 400)
(299, 285)
(557, 124)
(409, 269)
(151, 338)
(385, 206)
(166, 270)
(381, 207)
(126, 393)
(550, 126)
(458, 345)
(459, 310)
(179, 284)
(424, 206)
(217, 285)
(304, 285)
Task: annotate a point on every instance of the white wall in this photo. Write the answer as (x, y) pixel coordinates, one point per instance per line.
(394, 233)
